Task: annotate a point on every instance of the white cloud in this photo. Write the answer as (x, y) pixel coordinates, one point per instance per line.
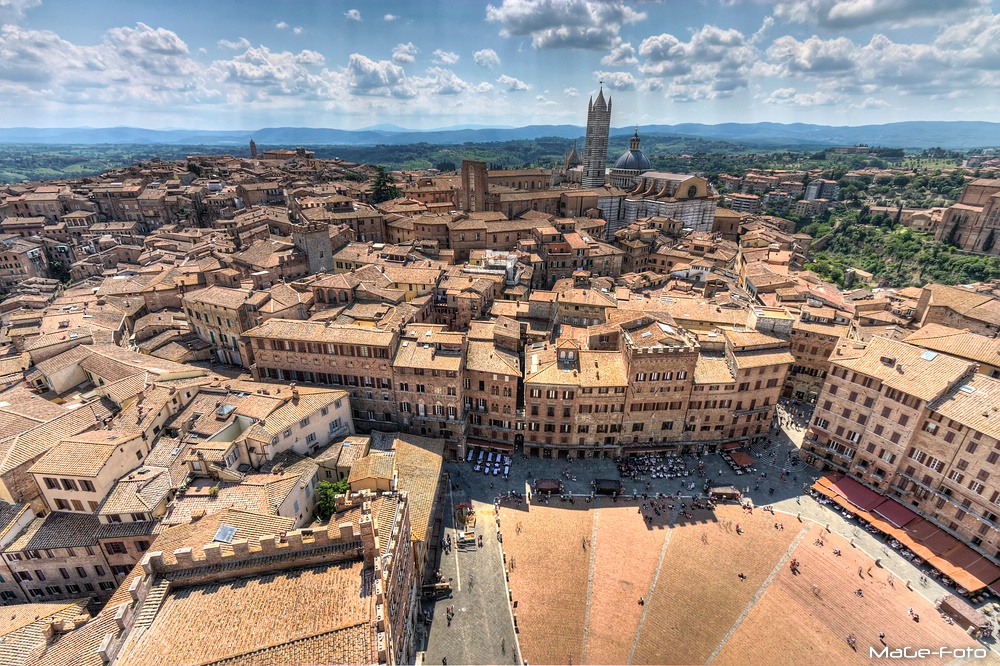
(440, 81)
(239, 44)
(280, 25)
(789, 97)
(617, 80)
(583, 24)
(15, 9)
(620, 56)
(443, 57)
(378, 78)
(571, 92)
(843, 14)
(484, 87)
(714, 63)
(813, 55)
(486, 58)
(389, 17)
(353, 14)
(312, 58)
(405, 52)
(511, 84)
(872, 103)
(297, 30)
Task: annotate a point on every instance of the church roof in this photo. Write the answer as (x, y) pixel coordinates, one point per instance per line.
(633, 160)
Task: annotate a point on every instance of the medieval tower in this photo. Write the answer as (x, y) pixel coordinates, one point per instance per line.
(595, 148)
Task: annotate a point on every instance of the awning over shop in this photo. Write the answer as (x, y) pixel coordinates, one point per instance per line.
(895, 513)
(730, 446)
(941, 550)
(864, 498)
(489, 445)
(742, 459)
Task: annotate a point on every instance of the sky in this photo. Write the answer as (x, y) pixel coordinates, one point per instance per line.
(425, 64)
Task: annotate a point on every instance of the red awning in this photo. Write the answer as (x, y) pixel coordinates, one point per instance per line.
(855, 493)
(895, 513)
(489, 445)
(972, 570)
(742, 459)
(730, 446)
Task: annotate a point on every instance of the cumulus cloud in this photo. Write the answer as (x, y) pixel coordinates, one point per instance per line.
(571, 92)
(15, 9)
(713, 63)
(511, 84)
(353, 14)
(440, 81)
(620, 56)
(389, 17)
(790, 97)
(814, 55)
(297, 30)
(443, 57)
(239, 44)
(280, 25)
(582, 24)
(378, 78)
(844, 14)
(486, 58)
(312, 58)
(405, 52)
(617, 80)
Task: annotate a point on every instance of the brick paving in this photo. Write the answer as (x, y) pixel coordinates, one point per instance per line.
(549, 580)
(812, 614)
(699, 594)
(626, 553)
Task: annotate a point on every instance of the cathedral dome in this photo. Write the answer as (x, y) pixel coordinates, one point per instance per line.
(633, 160)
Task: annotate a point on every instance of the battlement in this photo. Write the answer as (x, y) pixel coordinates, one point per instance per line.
(245, 551)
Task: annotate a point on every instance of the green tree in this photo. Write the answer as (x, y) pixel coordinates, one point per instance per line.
(326, 493)
(383, 187)
(988, 243)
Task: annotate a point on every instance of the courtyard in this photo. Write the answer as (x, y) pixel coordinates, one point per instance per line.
(570, 576)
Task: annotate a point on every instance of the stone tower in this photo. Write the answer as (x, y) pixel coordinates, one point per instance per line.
(595, 148)
(475, 186)
(253, 148)
(313, 239)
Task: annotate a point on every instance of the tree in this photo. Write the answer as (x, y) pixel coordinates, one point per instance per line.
(383, 188)
(326, 494)
(988, 243)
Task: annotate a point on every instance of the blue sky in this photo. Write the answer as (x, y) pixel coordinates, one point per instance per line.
(231, 64)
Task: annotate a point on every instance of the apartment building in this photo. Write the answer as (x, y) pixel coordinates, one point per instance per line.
(58, 557)
(20, 259)
(491, 383)
(354, 358)
(77, 474)
(219, 315)
(916, 425)
(426, 370)
(574, 401)
(813, 340)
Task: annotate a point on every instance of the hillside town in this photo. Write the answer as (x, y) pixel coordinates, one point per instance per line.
(194, 352)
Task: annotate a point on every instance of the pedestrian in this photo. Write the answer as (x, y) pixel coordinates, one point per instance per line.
(444, 661)
(881, 636)
(911, 612)
(642, 602)
(743, 576)
(500, 537)
(869, 571)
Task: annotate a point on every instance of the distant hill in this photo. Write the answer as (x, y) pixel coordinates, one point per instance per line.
(916, 135)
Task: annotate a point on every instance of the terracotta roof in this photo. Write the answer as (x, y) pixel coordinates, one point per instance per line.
(483, 356)
(138, 492)
(221, 621)
(975, 404)
(58, 529)
(22, 629)
(902, 366)
(955, 342)
(373, 466)
(418, 466)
